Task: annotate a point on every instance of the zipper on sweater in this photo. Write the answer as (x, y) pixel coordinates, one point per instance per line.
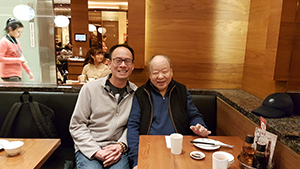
(170, 111)
(149, 97)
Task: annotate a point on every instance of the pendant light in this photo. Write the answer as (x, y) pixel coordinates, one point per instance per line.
(61, 20)
(102, 30)
(92, 28)
(23, 12)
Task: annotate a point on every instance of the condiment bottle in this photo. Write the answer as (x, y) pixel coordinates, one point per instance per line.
(80, 51)
(247, 151)
(260, 159)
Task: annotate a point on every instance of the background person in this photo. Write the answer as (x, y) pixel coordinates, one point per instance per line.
(98, 124)
(11, 57)
(104, 47)
(162, 106)
(93, 64)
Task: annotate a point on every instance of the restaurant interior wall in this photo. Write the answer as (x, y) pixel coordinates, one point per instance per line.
(271, 50)
(205, 41)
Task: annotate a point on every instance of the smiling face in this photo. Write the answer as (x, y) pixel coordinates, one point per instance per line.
(160, 73)
(16, 33)
(98, 58)
(120, 72)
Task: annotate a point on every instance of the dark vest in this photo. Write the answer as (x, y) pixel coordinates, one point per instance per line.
(178, 107)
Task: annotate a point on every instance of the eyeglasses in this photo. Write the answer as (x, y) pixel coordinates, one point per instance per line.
(118, 61)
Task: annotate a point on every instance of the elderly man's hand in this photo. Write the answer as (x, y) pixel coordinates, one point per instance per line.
(200, 130)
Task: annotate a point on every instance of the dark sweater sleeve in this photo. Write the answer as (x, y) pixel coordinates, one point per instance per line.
(133, 131)
(194, 115)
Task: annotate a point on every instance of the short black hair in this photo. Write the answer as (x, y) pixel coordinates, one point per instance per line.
(111, 50)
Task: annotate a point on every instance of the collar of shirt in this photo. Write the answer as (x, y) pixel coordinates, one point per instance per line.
(107, 87)
(11, 39)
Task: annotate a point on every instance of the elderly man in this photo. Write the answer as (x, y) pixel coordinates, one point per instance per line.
(162, 106)
(98, 124)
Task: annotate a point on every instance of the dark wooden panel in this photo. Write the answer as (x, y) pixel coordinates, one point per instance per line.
(261, 49)
(79, 24)
(136, 30)
(294, 74)
(75, 69)
(285, 42)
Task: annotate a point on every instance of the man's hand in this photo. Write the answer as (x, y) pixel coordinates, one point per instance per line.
(135, 167)
(102, 154)
(114, 156)
(200, 130)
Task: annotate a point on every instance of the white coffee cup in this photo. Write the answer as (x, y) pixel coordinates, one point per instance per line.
(91, 79)
(220, 160)
(81, 78)
(69, 81)
(176, 143)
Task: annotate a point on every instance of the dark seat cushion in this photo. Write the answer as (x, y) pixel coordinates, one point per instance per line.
(63, 105)
(207, 106)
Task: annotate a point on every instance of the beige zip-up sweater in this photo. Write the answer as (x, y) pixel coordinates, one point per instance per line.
(98, 119)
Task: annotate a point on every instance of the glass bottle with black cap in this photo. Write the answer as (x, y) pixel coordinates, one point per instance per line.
(247, 151)
(260, 159)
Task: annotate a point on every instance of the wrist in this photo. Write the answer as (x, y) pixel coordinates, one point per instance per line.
(123, 146)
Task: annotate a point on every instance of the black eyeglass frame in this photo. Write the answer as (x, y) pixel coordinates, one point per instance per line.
(119, 61)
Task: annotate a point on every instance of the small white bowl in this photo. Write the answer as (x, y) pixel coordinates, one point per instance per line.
(3, 143)
(197, 155)
(13, 148)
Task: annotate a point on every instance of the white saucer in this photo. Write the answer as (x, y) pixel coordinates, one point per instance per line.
(207, 146)
(197, 155)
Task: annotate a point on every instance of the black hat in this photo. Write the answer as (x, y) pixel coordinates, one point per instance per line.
(296, 100)
(276, 105)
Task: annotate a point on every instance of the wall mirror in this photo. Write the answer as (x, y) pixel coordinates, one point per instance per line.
(37, 40)
(40, 35)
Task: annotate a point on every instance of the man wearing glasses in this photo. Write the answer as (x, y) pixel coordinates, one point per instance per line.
(98, 123)
(162, 106)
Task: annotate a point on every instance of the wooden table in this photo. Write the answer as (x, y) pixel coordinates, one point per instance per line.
(154, 154)
(34, 153)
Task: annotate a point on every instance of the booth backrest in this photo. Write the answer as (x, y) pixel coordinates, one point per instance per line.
(63, 105)
(207, 106)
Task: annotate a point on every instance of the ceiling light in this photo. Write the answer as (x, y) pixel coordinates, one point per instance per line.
(92, 28)
(102, 30)
(61, 21)
(23, 12)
